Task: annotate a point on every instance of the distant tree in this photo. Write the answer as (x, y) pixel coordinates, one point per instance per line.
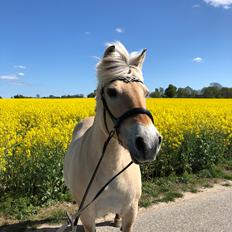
(161, 90)
(157, 93)
(73, 96)
(0, 97)
(215, 84)
(66, 96)
(211, 92)
(37, 95)
(190, 92)
(226, 92)
(20, 96)
(52, 96)
(181, 92)
(170, 91)
(186, 92)
(93, 94)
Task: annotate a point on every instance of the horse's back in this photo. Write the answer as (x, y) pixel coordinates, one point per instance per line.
(82, 127)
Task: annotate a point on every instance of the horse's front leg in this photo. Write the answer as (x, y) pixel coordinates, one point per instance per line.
(129, 217)
(88, 221)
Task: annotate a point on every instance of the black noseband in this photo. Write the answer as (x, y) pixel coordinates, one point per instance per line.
(130, 113)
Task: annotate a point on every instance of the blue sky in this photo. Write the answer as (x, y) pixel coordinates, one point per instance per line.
(50, 47)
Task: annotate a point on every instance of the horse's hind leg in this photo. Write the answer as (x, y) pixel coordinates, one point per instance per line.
(117, 221)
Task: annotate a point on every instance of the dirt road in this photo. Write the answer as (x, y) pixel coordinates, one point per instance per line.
(207, 211)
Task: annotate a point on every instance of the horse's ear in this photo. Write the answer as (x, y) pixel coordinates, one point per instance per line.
(139, 59)
(109, 50)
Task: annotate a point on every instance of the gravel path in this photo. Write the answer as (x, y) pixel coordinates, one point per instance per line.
(208, 211)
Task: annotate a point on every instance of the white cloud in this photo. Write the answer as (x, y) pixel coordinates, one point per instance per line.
(196, 6)
(197, 60)
(87, 32)
(12, 77)
(226, 7)
(21, 74)
(20, 66)
(226, 4)
(119, 30)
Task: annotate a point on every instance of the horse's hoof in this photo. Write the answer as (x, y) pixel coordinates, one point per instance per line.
(117, 223)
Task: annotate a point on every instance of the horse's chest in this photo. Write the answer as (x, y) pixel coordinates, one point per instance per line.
(112, 200)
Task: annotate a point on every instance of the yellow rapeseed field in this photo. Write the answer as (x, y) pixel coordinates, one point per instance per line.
(25, 123)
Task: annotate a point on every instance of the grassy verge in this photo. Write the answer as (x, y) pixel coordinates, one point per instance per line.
(169, 188)
(163, 189)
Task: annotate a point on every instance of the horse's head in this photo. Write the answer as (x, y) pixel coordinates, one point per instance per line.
(121, 90)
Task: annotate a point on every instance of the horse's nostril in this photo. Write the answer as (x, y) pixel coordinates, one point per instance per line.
(140, 144)
(160, 139)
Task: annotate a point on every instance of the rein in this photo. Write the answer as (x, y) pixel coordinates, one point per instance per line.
(117, 122)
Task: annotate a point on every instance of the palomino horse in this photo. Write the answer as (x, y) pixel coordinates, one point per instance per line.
(120, 81)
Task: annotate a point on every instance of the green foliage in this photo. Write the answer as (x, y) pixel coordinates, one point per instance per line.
(171, 196)
(214, 90)
(39, 177)
(17, 206)
(195, 153)
(170, 91)
(33, 182)
(198, 152)
(158, 93)
(186, 92)
(30, 183)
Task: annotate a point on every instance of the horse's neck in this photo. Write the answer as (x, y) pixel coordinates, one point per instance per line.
(115, 155)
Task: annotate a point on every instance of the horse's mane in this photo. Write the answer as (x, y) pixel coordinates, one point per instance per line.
(117, 64)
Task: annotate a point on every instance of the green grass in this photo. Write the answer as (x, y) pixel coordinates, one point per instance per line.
(193, 190)
(162, 189)
(171, 196)
(165, 189)
(208, 185)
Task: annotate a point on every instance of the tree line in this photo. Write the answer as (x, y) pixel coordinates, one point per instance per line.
(50, 96)
(214, 90)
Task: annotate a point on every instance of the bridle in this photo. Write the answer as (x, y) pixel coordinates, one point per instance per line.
(117, 123)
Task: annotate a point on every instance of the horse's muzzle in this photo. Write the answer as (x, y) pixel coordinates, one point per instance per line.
(145, 152)
(143, 143)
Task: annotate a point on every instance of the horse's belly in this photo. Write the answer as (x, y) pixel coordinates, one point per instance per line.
(109, 204)
(114, 201)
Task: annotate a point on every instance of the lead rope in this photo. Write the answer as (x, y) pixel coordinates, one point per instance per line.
(73, 223)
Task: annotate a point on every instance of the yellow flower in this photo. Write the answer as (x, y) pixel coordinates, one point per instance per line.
(26, 124)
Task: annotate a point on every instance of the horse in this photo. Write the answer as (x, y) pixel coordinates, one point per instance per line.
(120, 81)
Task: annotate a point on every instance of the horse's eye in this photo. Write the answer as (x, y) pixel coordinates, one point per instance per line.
(112, 92)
